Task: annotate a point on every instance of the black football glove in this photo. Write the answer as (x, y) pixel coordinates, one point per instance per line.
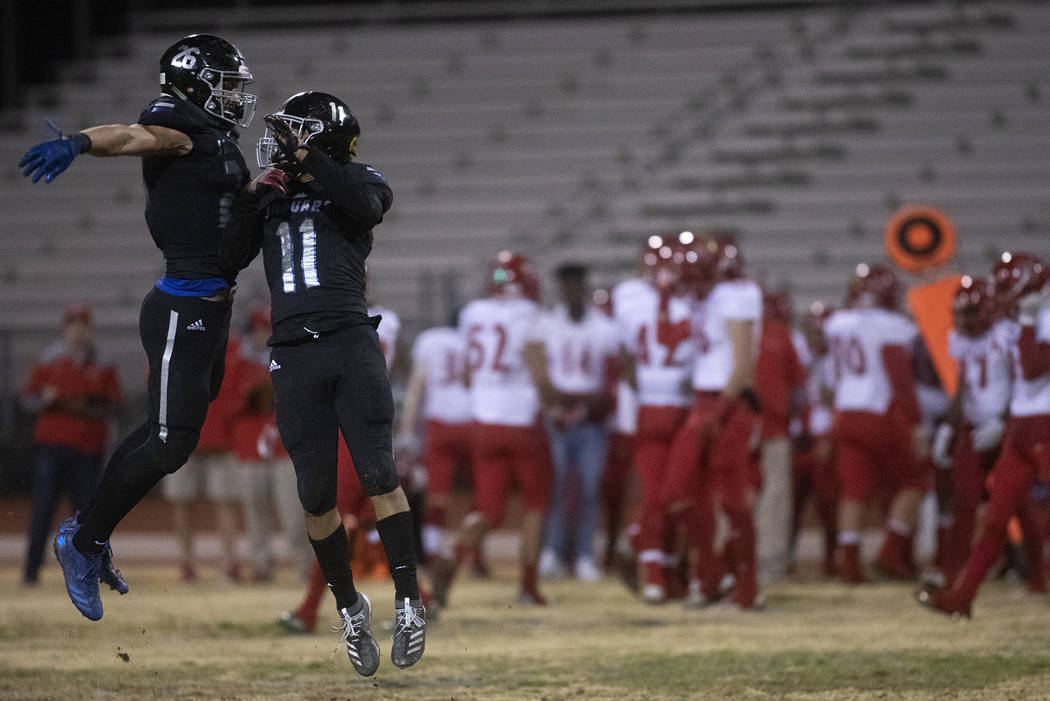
(287, 140)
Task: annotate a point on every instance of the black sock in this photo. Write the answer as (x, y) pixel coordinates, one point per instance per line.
(333, 555)
(115, 498)
(400, 546)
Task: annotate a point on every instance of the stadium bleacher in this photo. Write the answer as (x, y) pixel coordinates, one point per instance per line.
(801, 130)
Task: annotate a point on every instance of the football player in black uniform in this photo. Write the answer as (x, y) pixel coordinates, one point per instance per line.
(192, 169)
(314, 213)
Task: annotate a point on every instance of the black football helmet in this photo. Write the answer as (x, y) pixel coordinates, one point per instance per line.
(321, 120)
(211, 73)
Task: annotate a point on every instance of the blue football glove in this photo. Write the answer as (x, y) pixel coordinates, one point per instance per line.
(46, 160)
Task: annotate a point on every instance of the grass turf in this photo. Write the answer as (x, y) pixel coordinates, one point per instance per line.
(816, 640)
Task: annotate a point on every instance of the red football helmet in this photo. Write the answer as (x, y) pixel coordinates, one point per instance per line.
(873, 286)
(658, 262)
(973, 306)
(699, 266)
(513, 274)
(1016, 275)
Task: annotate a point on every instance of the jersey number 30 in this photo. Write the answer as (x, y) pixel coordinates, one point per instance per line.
(307, 240)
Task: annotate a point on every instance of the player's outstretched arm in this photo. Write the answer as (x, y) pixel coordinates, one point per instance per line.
(137, 140)
(49, 158)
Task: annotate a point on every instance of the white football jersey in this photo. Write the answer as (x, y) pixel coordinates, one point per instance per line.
(661, 368)
(987, 367)
(494, 332)
(578, 351)
(442, 355)
(730, 300)
(625, 419)
(1028, 397)
(820, 377)
(388, 330)
(856, 338)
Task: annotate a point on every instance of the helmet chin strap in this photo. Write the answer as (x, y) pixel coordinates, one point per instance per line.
(178, 93)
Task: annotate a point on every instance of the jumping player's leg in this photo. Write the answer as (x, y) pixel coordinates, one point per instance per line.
(365, 408)
(304, 384)
(183, 379)
(182, 355)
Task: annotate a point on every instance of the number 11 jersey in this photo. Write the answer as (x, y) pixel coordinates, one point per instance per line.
(315, 241)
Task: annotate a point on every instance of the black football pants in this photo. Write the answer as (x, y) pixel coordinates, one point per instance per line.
(185, 342)
(336, 382)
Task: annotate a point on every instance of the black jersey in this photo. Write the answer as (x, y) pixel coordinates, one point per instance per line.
(315, 241)
(188, 198)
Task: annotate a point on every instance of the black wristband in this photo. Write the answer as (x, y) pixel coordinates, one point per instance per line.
(83, 140)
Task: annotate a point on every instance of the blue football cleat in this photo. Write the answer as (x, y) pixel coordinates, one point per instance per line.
(108, 574)
(81, 571)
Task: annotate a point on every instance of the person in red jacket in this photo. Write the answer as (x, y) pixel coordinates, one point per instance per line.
(780, 384)
(209, 474)
(74, 393)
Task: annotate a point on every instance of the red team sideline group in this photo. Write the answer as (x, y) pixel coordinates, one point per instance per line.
(698, 380)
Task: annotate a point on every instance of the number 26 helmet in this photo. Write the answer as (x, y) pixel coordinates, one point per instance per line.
(318, 119)
(211, 73)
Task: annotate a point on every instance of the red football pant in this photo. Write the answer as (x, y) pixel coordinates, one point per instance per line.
(969, 470)
(1025, 456)
(657, 426)
(814, 474)
(718, 474)
(446, 448)
(505, 452)
(872, 450)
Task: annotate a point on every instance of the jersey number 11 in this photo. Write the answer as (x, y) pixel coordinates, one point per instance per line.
(307, 258)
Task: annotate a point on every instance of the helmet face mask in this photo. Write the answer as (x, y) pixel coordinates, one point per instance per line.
(211, 73)
(269, 155)
(319, 119)
(228, 100)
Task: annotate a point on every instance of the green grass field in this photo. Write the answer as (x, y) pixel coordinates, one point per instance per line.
(816, 640)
